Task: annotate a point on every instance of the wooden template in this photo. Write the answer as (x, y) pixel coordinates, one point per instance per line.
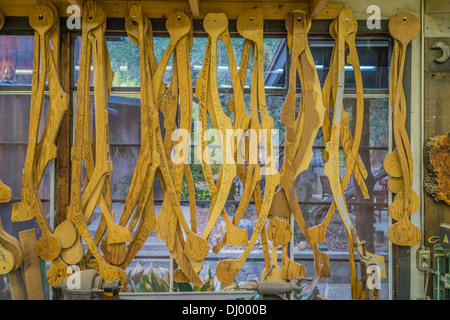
(31, 265)
(250, 26)
(44, 20)
(403, 27)
(82, 205)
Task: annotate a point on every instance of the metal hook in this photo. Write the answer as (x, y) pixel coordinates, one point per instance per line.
(445, 51)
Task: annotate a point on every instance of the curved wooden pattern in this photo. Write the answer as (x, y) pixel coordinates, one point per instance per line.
(250, 26)
(403, 27)
(94, 21)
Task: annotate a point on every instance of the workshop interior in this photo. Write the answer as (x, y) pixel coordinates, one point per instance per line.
(224, 150)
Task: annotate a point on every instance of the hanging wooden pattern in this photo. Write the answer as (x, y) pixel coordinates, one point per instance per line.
(345, 26)
(115, 245)
(301, 130)
(403, 27)
(44, 20)
(9, 260)
(158, 149)
(216, 25)
(250, 26)
(350, 145)
(82, 205)
(251, 176)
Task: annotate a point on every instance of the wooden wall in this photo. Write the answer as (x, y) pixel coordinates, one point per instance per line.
(436, 122)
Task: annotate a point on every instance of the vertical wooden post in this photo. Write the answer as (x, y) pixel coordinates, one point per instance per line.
(63, 141)
(31, 265)
(364, 215)
(16, 285)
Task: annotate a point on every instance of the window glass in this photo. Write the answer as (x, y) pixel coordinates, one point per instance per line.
(14, 124)
(125, 135)
(124, 60)
(16, 60)
(373, 58)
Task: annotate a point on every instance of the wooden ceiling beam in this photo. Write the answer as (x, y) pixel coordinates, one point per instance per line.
(316, 6)
(76, 2)
(437, 6)
(273, 10)
(195, 8)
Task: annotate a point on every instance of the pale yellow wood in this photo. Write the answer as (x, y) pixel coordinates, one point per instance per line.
(290, 270)
(77, 3)
(7, 262)
(215, 25)
(73, 254)
(356, 285)
(196, 247)
(279, 232)
(179, 276)
(31, 265)
(114, 253)
(57, 272)
(16, 285)
(344, 28)
(299, 138)
(12, 245)
(274, 273)
(195, 8)
(42, 19)
(2, 20)
(396, 209)
(103, 164)
(395, 184)
(140, 28)
(251, 177)
(315, 7)
(392, 165)
(22, 210)
(95, 19)
(167, 219)
(161, 9)
(437, 6)
(319, 232)
(5, 193)
(403, 27)
(147, 223)
(250, 26)
(67, 234)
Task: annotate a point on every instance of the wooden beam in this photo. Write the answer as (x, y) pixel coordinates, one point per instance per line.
(63, 139)
(195, 8)
(22, 8)
(31, 265)
(316, 6)
(76, 2)
(273, 10)
(437, 6)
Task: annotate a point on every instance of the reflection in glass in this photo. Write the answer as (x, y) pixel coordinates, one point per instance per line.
(16, 60)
